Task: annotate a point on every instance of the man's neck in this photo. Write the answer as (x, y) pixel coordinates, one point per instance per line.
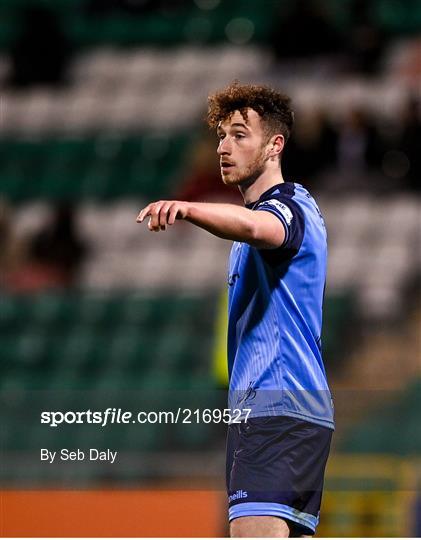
(268, 179)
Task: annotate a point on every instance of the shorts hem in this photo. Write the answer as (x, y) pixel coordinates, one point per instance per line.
(274, 509)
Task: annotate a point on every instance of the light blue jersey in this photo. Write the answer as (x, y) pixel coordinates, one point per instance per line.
(275, 314)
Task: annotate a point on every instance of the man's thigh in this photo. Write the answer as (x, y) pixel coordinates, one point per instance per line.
(259, 527)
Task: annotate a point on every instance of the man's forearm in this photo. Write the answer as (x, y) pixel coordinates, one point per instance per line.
(227, 221)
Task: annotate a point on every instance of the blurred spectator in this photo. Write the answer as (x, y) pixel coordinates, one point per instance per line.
(408, 144)
(41, 52)
(357, 154)
(352, 154)
(357, 142)
(310, 150)
(202, 178)
(58, 246)
(51, 259)
(11, 248)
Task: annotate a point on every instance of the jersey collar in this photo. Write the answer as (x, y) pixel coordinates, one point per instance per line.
(274, 190)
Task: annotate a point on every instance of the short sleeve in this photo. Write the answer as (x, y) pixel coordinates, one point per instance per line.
(292, 218)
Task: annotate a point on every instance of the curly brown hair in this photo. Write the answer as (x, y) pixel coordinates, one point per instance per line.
(273, 107)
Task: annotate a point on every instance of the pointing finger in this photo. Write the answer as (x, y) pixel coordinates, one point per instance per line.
(143, 213)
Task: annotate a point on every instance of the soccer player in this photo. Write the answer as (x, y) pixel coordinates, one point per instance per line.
(276, 458)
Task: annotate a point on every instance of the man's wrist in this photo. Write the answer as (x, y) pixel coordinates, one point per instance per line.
(188, 211)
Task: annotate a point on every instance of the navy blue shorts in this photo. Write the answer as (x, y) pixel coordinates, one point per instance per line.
(275, 467)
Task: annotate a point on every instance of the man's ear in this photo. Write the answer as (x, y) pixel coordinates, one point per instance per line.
(277, 143)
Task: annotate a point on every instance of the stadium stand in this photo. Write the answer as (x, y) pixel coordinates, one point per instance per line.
(361, 243)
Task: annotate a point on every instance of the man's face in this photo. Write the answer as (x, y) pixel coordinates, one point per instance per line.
(242, 148)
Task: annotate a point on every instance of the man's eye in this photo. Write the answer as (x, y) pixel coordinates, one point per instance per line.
(220, 137)
(239, 136)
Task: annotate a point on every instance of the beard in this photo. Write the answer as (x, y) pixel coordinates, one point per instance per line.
(247, 175)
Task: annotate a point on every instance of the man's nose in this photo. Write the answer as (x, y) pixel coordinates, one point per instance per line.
(224, 147)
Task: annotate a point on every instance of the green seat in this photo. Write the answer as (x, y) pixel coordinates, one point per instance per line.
(47, 309)
(14, 313)
(58, 310)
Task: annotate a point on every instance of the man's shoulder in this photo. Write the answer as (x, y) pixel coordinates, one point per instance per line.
(290, 194)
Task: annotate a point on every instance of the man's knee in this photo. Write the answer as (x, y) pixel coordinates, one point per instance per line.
(259, 526)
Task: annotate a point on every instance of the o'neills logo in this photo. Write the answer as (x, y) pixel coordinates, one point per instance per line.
(240, 494)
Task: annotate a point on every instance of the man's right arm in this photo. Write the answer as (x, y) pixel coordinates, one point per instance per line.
(231, 222)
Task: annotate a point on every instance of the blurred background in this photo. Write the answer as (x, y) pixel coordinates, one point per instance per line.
(101, 111)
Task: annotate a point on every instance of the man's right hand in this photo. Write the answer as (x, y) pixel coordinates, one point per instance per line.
(163, 213)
